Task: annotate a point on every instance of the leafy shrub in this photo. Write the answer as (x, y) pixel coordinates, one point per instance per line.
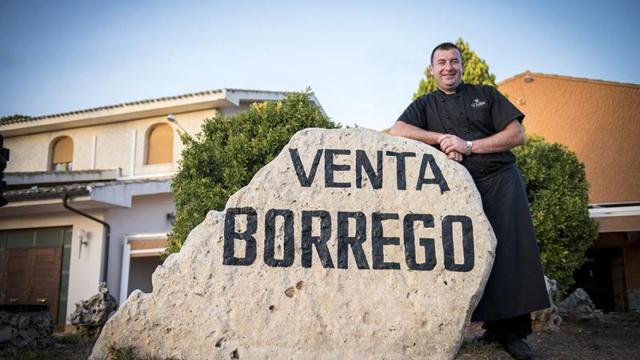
(229, 150)
(558, 195)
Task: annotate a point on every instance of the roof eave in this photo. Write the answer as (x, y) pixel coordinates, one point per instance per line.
(111, 115)
(568, 78)
(138, 110)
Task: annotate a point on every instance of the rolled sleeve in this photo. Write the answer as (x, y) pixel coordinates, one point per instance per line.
(415, 114)
(503, 111)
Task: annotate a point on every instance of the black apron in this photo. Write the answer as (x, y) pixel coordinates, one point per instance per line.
(516, 285)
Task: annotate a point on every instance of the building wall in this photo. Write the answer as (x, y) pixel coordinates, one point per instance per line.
(148, 214)
(597, 120)
(114, 145)
(85, 265)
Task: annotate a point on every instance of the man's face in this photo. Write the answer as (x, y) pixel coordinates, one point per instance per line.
(447, 69)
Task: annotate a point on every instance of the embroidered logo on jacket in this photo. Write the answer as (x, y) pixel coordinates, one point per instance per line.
(477, 103)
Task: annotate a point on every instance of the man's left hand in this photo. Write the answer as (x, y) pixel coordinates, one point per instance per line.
(455, 156)
(449, 143)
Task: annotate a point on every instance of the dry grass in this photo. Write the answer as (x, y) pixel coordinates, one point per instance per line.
(616, 337)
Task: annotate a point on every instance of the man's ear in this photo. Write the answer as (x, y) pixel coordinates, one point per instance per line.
(430, 69)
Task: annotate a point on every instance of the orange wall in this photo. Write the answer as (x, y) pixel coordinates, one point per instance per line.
(598, 120)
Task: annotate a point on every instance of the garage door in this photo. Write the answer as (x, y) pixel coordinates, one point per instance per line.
(34, 268)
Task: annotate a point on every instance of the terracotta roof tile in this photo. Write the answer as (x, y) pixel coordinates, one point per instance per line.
(572, 78)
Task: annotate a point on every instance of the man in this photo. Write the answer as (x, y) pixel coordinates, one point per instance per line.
(477, 126)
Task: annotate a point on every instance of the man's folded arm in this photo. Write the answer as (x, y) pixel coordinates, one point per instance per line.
(400, 128)
(506, 139)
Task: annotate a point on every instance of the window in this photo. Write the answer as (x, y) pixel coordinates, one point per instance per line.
(62, 154)
(160, 144)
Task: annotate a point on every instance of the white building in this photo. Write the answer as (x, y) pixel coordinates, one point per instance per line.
(114, 164)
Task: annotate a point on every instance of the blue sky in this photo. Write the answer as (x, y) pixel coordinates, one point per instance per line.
(363, 59)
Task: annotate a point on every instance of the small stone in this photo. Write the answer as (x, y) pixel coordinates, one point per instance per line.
(578, 306)
(7, 333)
(23, 321)
(91, 314)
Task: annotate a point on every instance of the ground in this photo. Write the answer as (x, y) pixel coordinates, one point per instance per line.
(617, 336)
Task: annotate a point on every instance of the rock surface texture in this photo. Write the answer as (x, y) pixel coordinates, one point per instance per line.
(24, 326)
(91, 314)
(578, 306)
(547, 319)
(351, 244)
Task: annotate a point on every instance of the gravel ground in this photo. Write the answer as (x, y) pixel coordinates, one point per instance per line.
(617, 337)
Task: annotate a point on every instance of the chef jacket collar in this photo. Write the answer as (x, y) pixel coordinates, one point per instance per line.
(459, 90)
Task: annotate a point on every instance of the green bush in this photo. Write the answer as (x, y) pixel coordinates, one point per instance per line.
(558, 195)
(229, 150)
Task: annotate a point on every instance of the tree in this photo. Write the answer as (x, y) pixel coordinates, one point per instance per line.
(229, 150)
(557, 188)
(476, 71)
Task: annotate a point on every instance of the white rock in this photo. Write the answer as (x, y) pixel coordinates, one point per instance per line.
(203, 309)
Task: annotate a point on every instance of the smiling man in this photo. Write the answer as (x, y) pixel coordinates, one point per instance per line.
(477, 126)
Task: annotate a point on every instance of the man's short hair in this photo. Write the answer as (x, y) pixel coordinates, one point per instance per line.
(445, 46)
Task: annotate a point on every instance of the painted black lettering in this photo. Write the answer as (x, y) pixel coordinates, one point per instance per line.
(270, 238)
(362, 162)
(320, 242)
(379, 241)
(467, 243)
(428, 160)
(410, 242)
(355, 242)
(401, 168)
(305, 180)
(231, 235)
(330, 167)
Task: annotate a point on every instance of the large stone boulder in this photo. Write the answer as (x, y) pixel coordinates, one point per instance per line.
(351, 244)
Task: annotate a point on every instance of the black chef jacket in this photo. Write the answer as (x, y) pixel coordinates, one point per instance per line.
(473, 112)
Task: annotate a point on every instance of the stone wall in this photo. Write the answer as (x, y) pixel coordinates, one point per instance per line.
(24, 326)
